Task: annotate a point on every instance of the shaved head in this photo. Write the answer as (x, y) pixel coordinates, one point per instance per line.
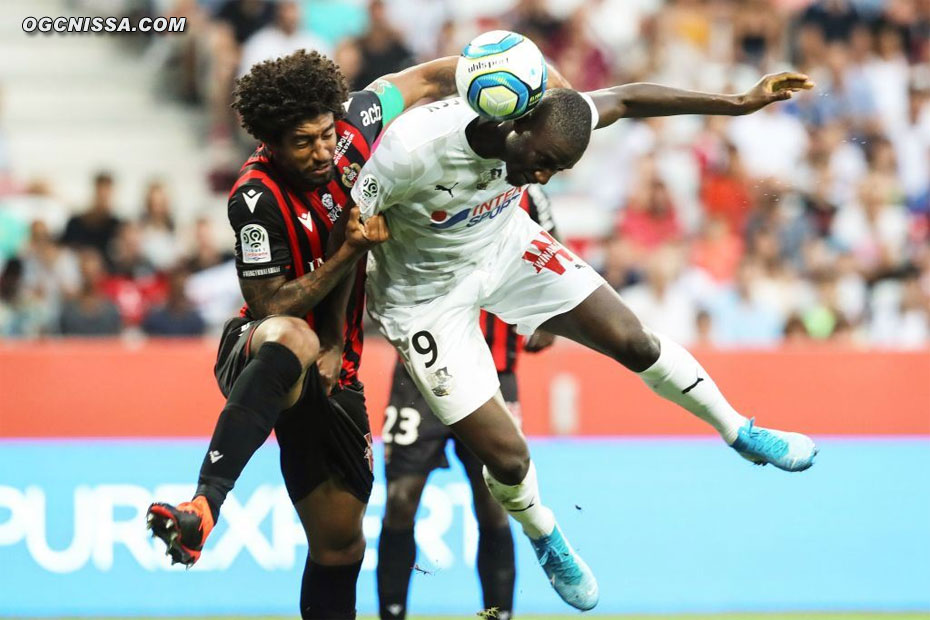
(565, 118)
(549, 139)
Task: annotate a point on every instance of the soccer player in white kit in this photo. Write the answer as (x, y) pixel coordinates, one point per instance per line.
(448, 184)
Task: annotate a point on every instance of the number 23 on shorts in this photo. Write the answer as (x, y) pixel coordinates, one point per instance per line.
(401, 426)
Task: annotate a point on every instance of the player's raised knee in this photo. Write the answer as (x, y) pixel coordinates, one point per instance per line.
(292, 333)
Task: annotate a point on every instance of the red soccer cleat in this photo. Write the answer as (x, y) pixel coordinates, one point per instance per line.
(183, 529)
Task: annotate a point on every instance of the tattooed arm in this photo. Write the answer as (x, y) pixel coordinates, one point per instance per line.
(299, 296)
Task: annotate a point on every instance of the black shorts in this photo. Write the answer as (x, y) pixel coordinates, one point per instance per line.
(415, 439)
(320, 437)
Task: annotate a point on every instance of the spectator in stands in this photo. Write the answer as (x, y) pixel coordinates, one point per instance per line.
(583, 63)
(662, 299)
(703, 329)
(383, 49)
(90, 313)
(650, 219)
(739, 318)
(900, 314)
(821, 317)
(887, 74)
(771, 143)
(159, 236)
(717, 250)
(795, 333)
(50, 275)
(874, 228)
(912, 145)
(19, 317)
(348, 57)
(280, 38)
(206, 253)
(833, 19)
(726, 191)
(620, 265)
(843, 94)
(245, 17)
(97, 226)
(177, 316)
(134, 285)
(533, 19)
(757, 33)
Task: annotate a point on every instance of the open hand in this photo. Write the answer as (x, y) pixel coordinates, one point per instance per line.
(772, 88)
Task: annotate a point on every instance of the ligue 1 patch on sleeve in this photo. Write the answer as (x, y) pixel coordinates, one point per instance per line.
(255, 245)
(369, 188)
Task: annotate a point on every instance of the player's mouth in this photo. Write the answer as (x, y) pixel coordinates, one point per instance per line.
(320, 172)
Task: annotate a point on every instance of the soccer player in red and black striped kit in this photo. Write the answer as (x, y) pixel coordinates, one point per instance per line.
(415, 445)
(290, 361)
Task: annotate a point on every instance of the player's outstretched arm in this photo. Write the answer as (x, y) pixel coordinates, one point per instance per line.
(640, 100)
(436, 80)
(299, 296)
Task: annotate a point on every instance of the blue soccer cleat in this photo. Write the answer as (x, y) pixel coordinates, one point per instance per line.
(567, 572)
(788, 451)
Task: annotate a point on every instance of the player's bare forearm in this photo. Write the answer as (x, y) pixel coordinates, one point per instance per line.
(436, 80)
(331, 326)
(429, 80)
(640, 100)
(299, 296)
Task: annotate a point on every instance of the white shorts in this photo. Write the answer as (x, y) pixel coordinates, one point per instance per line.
(528, 279)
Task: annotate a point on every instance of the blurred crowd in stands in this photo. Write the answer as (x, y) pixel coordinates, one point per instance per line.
(806, 222)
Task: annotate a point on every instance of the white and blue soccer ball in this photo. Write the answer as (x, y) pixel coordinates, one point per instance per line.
(501, 74)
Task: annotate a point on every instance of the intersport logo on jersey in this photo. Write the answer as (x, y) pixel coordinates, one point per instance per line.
(483, 212)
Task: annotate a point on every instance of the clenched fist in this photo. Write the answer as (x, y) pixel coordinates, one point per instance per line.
(365, 235)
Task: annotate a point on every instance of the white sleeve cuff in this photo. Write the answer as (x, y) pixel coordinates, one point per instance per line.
(595, 117)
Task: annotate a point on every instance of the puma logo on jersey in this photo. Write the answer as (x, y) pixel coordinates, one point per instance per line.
(443, 188)
(251, 199)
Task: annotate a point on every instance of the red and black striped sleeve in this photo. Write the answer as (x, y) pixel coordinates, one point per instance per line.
(262, 248)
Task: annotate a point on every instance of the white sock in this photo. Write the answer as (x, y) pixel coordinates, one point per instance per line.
(523, 503)
(678, 377)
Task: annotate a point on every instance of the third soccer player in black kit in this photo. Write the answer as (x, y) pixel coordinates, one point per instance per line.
(415, 444)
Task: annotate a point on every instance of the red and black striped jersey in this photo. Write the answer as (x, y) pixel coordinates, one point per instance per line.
(283, 230)
(502, 338)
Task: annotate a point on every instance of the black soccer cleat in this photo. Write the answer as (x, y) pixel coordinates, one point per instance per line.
(183, 529)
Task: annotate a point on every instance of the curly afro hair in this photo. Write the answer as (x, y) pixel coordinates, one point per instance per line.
(277, 95)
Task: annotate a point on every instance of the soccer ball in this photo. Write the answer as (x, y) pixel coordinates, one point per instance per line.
(501, 74)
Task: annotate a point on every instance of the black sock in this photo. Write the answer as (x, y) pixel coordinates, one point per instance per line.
(328, 592)
(496, 568)
(251, 411)
(397, 552)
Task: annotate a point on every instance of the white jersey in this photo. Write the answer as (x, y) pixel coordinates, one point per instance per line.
(443, 203)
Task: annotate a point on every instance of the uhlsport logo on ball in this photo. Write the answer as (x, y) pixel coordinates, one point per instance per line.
(501, 74)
